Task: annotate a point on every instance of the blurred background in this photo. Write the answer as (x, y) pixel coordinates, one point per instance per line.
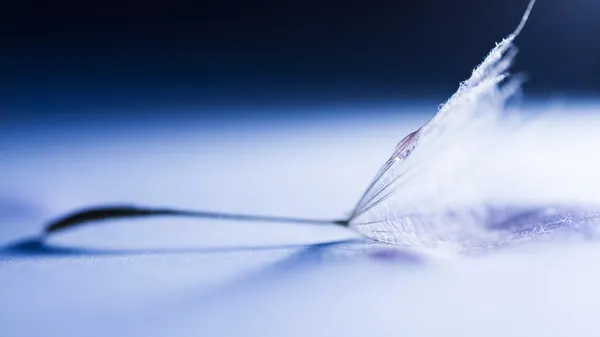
(284, 108)
(116, 60)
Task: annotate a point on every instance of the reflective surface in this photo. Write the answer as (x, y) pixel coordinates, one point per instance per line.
(166, 277)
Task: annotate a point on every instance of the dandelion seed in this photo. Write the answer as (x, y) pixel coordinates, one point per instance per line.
(412, 200)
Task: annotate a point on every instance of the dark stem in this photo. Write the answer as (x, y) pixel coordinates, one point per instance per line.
(104, 213)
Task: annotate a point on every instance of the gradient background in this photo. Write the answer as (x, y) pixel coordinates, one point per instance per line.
(282, 108)
(134, 59)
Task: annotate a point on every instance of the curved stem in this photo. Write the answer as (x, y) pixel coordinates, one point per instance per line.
(104, 213)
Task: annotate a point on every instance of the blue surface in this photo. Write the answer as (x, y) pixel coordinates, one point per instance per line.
(167, 277)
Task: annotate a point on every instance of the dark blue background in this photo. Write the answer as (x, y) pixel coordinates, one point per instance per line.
(68, 59)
